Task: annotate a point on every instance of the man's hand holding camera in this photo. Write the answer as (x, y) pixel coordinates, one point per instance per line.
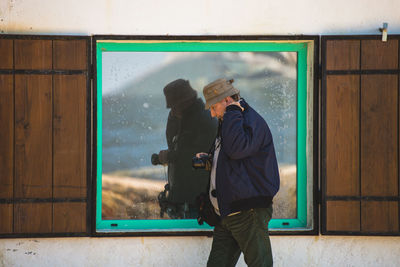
(202, 161)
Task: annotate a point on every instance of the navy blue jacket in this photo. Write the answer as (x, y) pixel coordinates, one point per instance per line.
(247, 174)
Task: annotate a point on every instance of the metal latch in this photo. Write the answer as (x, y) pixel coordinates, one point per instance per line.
(383, 30)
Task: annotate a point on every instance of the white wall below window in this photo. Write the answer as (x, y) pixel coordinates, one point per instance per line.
(193, 251)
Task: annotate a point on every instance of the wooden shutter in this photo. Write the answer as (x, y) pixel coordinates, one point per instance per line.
(360, 135)
(44, 135)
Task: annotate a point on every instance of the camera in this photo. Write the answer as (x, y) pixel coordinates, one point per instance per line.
(155, 159)
(201, 162)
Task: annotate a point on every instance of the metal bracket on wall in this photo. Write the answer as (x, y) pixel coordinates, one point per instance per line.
(383, 30)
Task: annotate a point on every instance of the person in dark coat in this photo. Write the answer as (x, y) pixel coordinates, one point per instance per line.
(190, 129)
(244, 179)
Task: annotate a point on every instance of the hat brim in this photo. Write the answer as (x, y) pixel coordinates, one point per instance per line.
(218, 98)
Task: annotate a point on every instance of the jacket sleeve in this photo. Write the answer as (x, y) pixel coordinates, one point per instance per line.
(240, 140)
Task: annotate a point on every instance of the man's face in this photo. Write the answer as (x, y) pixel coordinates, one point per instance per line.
(218, 109)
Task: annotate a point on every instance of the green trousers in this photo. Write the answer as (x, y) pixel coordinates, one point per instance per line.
(245, 232)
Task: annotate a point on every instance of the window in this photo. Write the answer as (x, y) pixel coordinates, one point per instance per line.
(275, 77)
(45, 106)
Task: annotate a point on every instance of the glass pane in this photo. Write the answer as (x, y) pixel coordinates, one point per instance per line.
(135, 119)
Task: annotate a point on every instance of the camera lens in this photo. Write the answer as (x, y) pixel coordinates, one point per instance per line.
(197, 163)
(155, 160)
(200, 163)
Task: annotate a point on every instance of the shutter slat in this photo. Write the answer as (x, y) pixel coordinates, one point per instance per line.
(33, 144)
(379, 216)
(69, 136)
(379, 174)
(6, 136)
(342, 55)
(6, 54)
(377, 55)
(69, 217)
(6, 215)
(342, 130)
(33, 54)
(33, 217)
(70, 55)
(343, 216)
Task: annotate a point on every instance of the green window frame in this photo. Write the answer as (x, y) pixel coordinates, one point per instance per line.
(305, 83)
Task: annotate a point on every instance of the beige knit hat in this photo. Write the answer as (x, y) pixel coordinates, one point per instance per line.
(218, 90)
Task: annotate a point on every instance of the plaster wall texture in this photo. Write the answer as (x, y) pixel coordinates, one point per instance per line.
(193, 251)
(190, 17)
(187, 17)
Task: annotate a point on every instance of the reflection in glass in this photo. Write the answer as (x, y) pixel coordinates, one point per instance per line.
(190, 129)
(135, 119)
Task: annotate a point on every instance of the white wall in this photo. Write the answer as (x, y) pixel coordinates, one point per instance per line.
(199, 17)
(193, 251)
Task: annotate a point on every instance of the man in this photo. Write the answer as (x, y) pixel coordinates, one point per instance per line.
(244, 179)
(190, 129)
